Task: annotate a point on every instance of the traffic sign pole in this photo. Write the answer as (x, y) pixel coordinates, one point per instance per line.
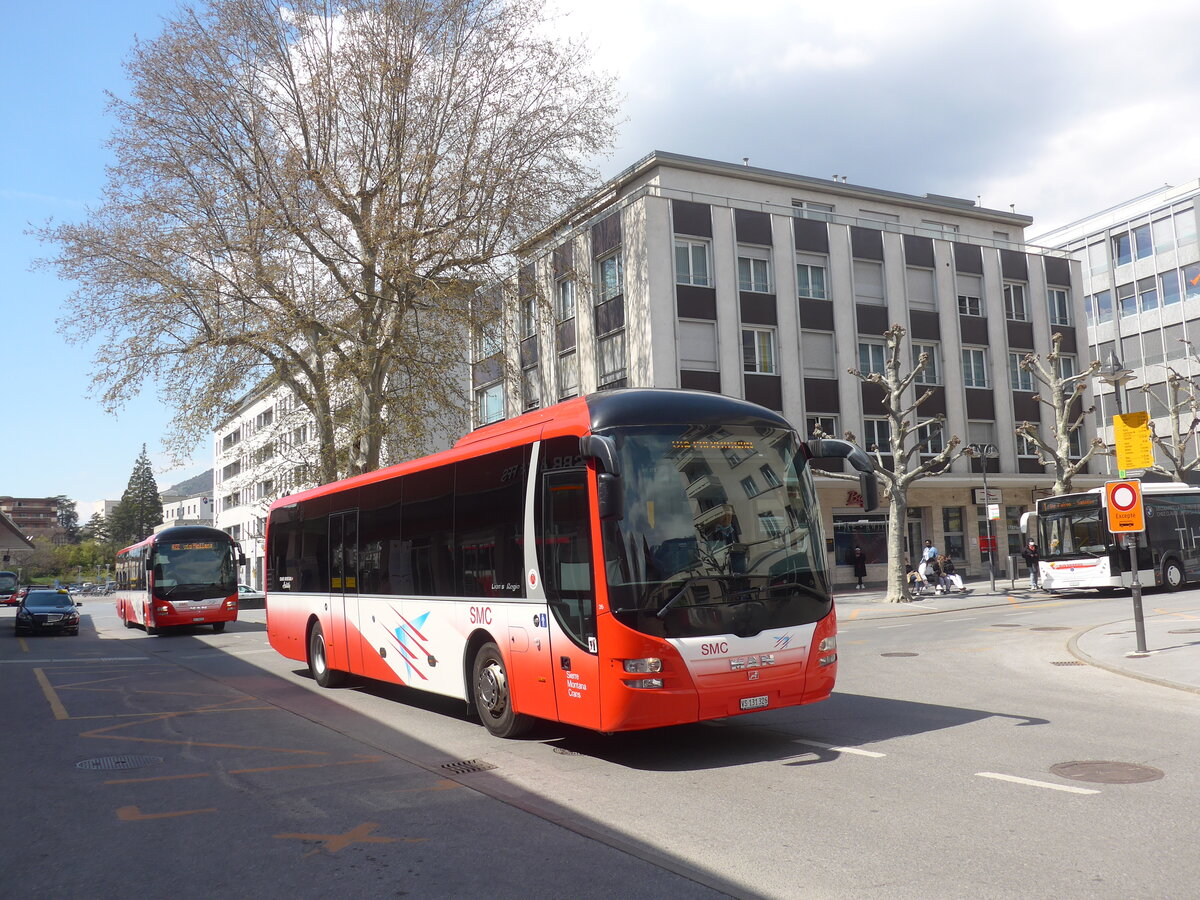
(1126, 516)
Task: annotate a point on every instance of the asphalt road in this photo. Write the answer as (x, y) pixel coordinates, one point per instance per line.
(960, 755)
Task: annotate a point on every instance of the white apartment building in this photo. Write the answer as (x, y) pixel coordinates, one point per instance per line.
(1141, 283)
(195, 509)
(693, 273)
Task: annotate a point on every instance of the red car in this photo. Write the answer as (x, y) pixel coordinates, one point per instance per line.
(8, 589)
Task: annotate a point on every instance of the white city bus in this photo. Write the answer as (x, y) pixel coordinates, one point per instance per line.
(1078, 551)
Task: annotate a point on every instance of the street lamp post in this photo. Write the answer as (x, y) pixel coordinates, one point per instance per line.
(1114, 374)
(986, 452)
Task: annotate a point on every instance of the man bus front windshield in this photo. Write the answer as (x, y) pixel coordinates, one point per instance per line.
(189, 570)
(719, 533)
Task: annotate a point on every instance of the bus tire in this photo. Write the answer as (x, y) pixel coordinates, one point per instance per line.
(218, 627)
(493, 700)
(318, 660)
(1172, 575)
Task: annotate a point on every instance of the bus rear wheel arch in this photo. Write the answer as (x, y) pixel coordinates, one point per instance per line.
(318, 659)
(1173, 577)
(492, 695)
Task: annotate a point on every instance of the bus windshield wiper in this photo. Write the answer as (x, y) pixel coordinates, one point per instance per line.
(683, 589)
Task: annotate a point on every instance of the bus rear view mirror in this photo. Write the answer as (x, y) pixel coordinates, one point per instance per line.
(609, 497)
(835, 448)
(149, 563)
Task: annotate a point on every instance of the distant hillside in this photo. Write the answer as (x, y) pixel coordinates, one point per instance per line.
(200, 484)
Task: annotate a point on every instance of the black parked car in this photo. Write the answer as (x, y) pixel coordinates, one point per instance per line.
(47, 610)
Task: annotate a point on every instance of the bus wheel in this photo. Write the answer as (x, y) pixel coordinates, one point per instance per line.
(1173, 577)
(493, 701)
(318, 662)
(218, 627)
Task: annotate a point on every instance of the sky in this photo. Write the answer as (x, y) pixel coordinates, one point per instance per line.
(1055, 108)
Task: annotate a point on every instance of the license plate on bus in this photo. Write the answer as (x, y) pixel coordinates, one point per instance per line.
(754, 702)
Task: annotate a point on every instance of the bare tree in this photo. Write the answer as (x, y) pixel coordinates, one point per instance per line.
(916, 448)
(309, 193)
(1178, 445)
(1065, 400)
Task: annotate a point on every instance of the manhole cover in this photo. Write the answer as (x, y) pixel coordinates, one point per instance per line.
(1106, 772)
(119, 762)
(466, 766)
(1007, 625)
(1066, 662)
(1184, 631)
(898, 653)
(1051, 628)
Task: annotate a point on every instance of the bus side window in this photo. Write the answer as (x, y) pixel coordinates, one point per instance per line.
(565, 544)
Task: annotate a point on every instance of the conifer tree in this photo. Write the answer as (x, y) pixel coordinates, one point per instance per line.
(140, 508)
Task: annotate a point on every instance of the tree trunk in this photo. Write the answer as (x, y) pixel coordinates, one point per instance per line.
(897, 585)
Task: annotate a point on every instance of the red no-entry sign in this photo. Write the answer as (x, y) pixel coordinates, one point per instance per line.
(1124, 502)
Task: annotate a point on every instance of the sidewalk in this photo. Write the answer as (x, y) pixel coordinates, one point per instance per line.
(1172, 639)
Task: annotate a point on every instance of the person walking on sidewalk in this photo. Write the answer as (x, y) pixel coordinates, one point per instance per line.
(1032, 558)
(928, 556)
(859, 561)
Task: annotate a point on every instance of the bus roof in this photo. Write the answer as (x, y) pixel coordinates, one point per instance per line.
(577, 416)
(1148, 487)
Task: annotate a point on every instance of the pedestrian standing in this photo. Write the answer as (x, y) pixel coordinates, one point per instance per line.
(1032, 558)
(859, 561)
(928, 555)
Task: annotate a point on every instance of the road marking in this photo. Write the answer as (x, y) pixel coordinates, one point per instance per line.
(133, 814)
(855, 750)
(56, 706)
(360, 835)
(53, 661)
(1042, 784)
(964, 619)
(902, 625)
(24, 646)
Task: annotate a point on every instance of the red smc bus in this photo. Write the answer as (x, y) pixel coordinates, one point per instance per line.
(625, 560)
(185, 575)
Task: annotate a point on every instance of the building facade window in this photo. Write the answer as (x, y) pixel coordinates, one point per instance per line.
(1169, 282)
(609, 277)
(826, 425)
(528, 316)
(489, 404)
(1059, 303)
(932, 373)
(1143, 246)
(1015, 308)
(565, 298)
(758, 351)
(868, 283)
(970, 295)
(531, 388)
(931, 438)
(1148, 293)
(1020, 379)
(922, 292)
(877, 434)
(698, 346)
(1191, 281)
(754, 269)
(691, 262)
(1127, 300)
(974, 366)
(487, 341)
(1104, 307)
(568, 375)
(818, 354)
(1067, 366)
(610, 359)
(810, 281)
(807, 209)
(871, 357)
(1122, 248)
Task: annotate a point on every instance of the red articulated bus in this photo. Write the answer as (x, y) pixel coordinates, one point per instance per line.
(185, 575)
(626, 560)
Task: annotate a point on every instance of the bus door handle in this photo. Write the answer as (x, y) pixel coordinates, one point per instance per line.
(564, 663)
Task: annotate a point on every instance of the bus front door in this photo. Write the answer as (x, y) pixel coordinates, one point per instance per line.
(570, 585)
(343, 594)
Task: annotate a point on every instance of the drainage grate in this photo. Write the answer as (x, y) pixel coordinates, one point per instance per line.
(1184, 631)
(109, 763)
(1067, 662)
(1051, 628)
(467, 766)
(898, 653)
(1099, 771)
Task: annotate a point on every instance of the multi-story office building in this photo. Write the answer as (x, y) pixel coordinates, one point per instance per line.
(34, 516)
(1141, 284)
(684, 272)
(193, 509)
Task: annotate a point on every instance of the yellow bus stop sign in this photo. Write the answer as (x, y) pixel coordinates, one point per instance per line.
(1131, 433)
